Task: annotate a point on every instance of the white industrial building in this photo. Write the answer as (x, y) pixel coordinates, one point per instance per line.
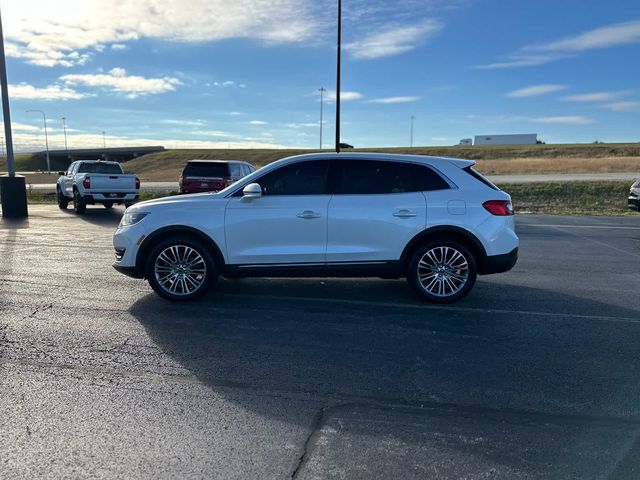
(516, 139)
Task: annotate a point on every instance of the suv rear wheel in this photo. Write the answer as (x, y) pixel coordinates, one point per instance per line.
(442, 271)
(180, 269)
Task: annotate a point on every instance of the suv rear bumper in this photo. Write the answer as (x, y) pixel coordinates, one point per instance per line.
(499, 263)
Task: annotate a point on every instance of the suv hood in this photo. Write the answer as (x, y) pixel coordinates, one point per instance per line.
(177, 201)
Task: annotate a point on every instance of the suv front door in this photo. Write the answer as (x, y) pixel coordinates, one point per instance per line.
(375, 211)
(287, 225)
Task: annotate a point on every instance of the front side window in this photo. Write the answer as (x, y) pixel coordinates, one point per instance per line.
(235, 170)
(303, 178)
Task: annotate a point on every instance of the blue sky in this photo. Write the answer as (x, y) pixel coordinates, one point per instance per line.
(246, 73)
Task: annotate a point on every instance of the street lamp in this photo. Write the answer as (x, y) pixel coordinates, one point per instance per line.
(321, 90)
(104, 140)
(411, 141)
(46, 136)
(64, 126)
(13, 189)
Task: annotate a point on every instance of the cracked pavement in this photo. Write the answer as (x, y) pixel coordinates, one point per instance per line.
(535, 375)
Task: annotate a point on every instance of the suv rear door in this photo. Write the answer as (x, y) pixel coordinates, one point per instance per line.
(374, 212)
(287, 224)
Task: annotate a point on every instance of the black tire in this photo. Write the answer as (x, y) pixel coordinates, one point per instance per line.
(162, 288)
(108, 204)
(79, 203)
(460, 273)
(63, 202)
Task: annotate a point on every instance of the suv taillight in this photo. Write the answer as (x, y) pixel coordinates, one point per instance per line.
(500, 208)
(137, 183)
(86, 183)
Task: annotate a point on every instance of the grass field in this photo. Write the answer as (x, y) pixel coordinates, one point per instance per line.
(492, 160)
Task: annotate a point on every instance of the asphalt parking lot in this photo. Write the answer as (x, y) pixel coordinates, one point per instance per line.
(536, 374)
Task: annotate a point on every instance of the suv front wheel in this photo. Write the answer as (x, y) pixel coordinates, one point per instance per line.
(442, 271)
(180, 269)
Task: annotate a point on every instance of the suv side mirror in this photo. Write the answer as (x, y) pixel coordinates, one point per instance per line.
(253, 190)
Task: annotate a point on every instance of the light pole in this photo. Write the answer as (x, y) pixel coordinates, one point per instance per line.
(411, 141)
(13, 189)
(338, 77)
(321, 90)
(64, 127)
(46, 136)
(104, 140)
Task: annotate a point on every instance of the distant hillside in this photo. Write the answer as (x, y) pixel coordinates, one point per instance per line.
(511, 159)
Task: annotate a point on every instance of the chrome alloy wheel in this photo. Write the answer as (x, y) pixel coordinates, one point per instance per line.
(443, 271)
(180, 270)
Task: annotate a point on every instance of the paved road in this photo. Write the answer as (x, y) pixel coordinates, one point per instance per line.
(535, 375)
(159, 187)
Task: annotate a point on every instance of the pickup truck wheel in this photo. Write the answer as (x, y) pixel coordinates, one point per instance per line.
(442, 271)
(180, 269)
(108, 204)
(79, 203)
(63, 202)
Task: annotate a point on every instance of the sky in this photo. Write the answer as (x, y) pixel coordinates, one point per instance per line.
(247, 73)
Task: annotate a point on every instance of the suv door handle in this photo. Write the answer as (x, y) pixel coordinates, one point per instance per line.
(404, 214)
(308, 214)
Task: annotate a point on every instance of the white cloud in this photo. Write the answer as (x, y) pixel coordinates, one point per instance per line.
(565, 120)
(59, 33)
(535, 90)
(389, 100)
(235, 114)
(603, 37)
(393, 40)
(624, 106)
(303, 125)
(539, 54)
(258, 122)
(118, 46)
(21, 127)
(117, 80)
(188, 123)
(213, 133)
(595, 97)
(52, 92)
(345, 96)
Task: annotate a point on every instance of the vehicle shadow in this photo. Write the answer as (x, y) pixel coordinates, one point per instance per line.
(98, 215)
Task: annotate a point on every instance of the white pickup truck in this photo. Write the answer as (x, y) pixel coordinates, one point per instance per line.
(87, 182)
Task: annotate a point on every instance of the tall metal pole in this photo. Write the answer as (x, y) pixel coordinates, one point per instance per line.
(46, 136)
(322, 90)
(11, 165)
(412, 119)
(338, 77)
(13, 188)
(64, 126)
(104, 140)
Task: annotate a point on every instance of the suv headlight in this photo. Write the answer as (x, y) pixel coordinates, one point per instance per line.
(131, 218)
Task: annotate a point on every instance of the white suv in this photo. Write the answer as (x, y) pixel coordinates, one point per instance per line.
(435, 221)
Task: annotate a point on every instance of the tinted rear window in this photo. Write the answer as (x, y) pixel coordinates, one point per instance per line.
(480, 178)
(108, 168)
(202, 169)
